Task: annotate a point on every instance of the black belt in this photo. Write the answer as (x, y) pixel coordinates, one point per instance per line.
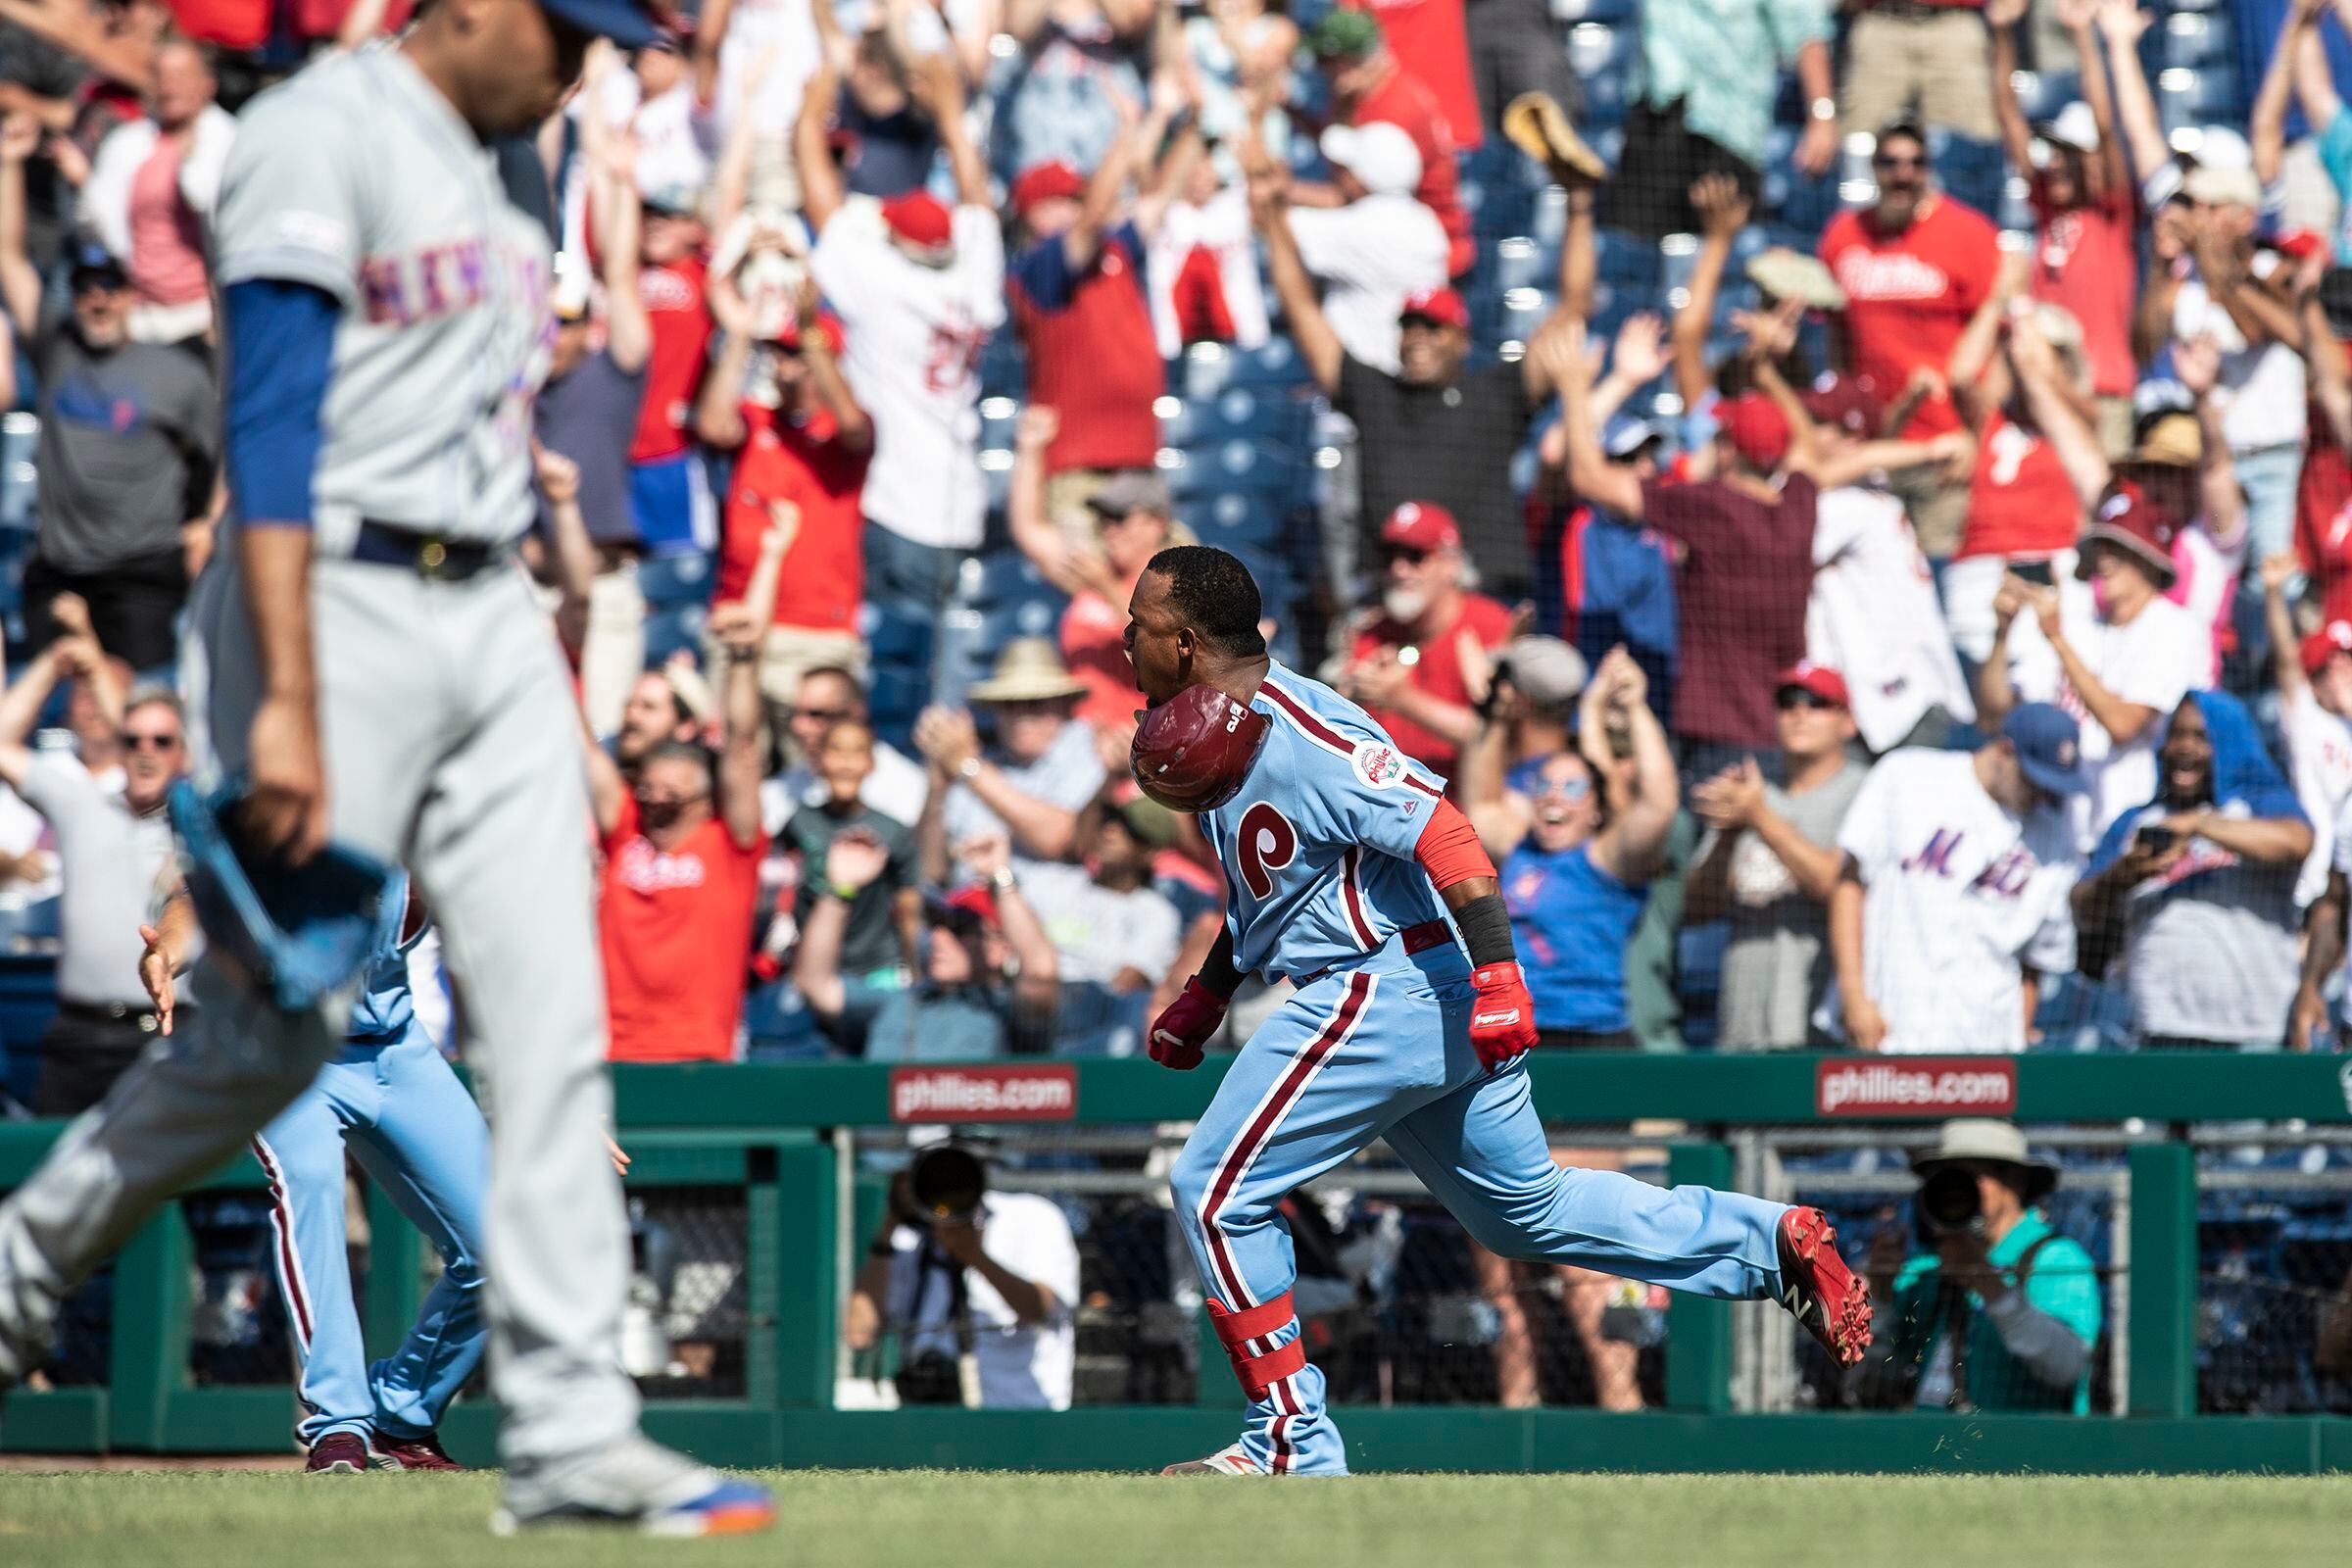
(429, 555)
(143, 1019)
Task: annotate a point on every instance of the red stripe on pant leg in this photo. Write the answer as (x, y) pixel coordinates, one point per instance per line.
(282, 1220)
(1261, 1128)
(1287, 1402)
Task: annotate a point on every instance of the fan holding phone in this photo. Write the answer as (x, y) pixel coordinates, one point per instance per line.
(2194, 892)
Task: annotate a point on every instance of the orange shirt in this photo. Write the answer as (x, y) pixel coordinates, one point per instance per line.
(677, 931)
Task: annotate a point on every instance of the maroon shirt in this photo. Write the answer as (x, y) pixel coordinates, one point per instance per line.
(1747, 570)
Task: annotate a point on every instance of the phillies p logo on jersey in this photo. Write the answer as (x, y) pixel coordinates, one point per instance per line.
(1267, 842)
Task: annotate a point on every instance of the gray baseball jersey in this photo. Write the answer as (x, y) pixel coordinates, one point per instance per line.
(356, 176)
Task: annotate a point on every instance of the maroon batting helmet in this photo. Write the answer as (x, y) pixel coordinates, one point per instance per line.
(1193, 752)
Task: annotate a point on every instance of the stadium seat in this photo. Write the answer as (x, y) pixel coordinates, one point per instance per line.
(671, 581)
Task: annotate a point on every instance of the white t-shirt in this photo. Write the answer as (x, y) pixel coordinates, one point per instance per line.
(1958, 896)
(1369, 256)
(1022, 1367)
(755, 29)
(1219, 225)
(2161, 657)
(2260, 392)
(2319, 744)
(1873, 617)
(913, 359)
(1098, 932)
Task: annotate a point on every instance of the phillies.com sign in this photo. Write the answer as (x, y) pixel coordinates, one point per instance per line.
(984, 1093)
(1916, 1087)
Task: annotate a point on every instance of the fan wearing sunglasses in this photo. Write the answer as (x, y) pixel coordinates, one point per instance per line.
(112, 847)
(1579, 836)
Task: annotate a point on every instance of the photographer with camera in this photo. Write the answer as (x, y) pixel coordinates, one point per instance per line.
(2193, 893)
(1992, 1309)
(977, 1283)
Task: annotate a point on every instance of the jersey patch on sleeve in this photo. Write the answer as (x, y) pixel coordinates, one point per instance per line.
(1377, 764)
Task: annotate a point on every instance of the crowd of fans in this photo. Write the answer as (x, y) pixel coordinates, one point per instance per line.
(1848, 615)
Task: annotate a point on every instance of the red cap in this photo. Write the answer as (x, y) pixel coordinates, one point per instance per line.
(2130, 521)
(1848, 402)
(827, 323)
(1421, 525)
(919, 218)
(2324, 644)
(2298, 243)
(1041, 183)
(1819, 679)
(978, 899)
(1756, 428)
(1440, 305)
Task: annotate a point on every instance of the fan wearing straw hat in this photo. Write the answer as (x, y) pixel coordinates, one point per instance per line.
(1992, 1309)
(1029, 780)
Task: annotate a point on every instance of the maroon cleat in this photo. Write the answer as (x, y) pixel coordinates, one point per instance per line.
(1819, 1290)
(411, 1454)
(338, 1453)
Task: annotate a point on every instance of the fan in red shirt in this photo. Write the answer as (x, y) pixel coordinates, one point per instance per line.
(1914, 269)
(775, 397)
(1405, 665)
(681, 874)
(672, 279)
(2323, 494)
(1085, 321)
(1366, 85)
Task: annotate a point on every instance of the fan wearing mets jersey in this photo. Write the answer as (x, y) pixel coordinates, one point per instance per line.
(1353, 878)
(395, 1101)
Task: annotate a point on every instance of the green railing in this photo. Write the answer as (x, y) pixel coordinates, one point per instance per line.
(766, 1129)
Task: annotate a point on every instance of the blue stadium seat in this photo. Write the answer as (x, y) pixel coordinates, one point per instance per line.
(674, 630)
(1239, 465)
(670, 581)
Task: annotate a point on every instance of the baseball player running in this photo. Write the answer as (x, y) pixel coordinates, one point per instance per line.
(393, 1098)
(1344, 862)
(365, 659)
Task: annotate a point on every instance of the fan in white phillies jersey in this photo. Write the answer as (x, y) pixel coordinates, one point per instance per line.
(919, 288)
(2315, 717)
(1954, 892)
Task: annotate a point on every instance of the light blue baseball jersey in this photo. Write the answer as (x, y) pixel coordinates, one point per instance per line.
(1318, 845)
(386, 1007)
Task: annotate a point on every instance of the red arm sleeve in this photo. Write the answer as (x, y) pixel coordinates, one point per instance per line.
(1449, 849)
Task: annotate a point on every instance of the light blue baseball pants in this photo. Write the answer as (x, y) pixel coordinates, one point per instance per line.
(419, 1136)
(1383, 1050)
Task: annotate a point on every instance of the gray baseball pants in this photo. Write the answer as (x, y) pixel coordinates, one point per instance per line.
(452, 744)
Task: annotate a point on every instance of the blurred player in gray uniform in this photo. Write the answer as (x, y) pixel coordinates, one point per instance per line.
(365, 653)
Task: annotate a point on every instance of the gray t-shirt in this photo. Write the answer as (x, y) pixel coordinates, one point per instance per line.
(128, 443)
(358, 178)
(112, 863)
(1098, 932)
(1778, 962)
(2211, 949)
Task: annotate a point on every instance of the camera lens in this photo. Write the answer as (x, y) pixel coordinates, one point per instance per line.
(949, 1181)
(1948, 1200)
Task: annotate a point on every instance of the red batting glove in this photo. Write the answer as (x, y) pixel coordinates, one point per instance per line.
(1502, 1020)
(1179, 1034)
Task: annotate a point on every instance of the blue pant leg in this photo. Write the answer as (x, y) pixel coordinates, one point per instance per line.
(1316, 1083)
(430, 1151)
(301, 1152)
(1482, 1150)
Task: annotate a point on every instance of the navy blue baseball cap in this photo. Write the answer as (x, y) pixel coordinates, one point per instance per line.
(2049, 747)
(93, 260)
(629, 23)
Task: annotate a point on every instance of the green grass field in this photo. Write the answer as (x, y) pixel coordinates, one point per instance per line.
(869, 1519)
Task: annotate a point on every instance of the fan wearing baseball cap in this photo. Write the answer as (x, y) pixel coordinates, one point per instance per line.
(1770, 863)
(1085, 321)
(1435, 429)
(2108, 644)
(2085, 211)
(1951, 901)
(918, 288)
(1747, 536)
(1368, 85)
(1379, 248)
(1405, 663)
(2314, 674)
